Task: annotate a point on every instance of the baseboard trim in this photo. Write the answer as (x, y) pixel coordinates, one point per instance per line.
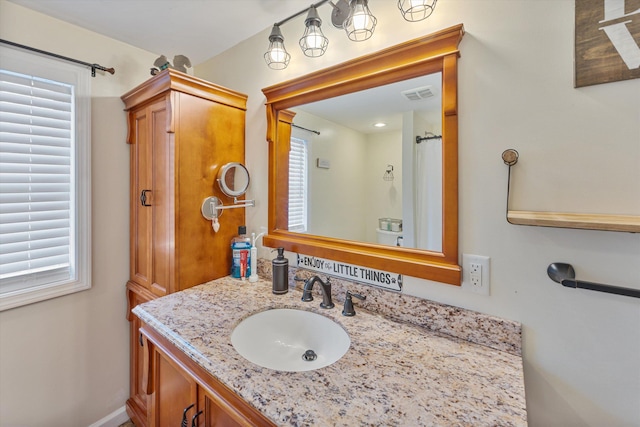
(114, 419)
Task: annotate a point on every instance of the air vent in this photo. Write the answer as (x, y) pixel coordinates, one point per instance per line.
(418, 93)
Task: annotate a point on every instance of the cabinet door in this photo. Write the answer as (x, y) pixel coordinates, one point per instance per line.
(214, 415)
(173, 392)
(152, 199)
(141, 195)
(137, 403)
(163, 209)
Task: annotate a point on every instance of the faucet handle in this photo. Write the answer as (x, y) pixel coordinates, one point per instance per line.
(348, 310)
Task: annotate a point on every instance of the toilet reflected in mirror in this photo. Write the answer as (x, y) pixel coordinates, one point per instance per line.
(391, 238)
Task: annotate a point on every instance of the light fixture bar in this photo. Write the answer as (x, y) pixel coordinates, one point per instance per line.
(289, 18)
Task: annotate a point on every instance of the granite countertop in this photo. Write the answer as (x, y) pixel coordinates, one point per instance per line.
(396, 373)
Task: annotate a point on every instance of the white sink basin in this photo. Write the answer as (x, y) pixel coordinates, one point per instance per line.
(279, 338)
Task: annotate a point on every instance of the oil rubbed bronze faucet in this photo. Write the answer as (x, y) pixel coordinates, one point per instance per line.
(325, 287)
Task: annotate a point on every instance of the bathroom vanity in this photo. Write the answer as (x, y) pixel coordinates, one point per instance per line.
(401, 368)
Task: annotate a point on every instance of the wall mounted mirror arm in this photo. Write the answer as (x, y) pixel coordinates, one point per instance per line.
(212, 206)
(233, 179)
(434, 55)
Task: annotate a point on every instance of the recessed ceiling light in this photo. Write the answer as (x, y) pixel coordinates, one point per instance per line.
(379, 125)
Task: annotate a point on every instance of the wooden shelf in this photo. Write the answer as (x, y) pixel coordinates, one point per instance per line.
(628, 223)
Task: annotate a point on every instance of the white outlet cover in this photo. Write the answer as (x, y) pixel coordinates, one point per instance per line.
(485, 262)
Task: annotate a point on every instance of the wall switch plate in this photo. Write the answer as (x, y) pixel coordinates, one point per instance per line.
(476, 275)
(323, 163)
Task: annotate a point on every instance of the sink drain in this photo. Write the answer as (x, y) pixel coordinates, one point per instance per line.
(309, 356)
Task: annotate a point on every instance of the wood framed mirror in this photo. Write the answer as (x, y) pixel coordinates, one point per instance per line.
(436, 53)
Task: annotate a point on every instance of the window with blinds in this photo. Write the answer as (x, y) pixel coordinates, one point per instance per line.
(43, 187)
(298, 185)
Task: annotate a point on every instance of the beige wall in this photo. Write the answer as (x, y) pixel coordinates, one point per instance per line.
(358, 162)
(64, 362)
(579, 151)
(331, 213)
(384, 198)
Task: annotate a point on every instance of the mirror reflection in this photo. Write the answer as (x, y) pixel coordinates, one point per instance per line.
(434, 53)
(233, 179)
(367, 166)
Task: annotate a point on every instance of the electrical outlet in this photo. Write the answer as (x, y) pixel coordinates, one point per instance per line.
(475, 273)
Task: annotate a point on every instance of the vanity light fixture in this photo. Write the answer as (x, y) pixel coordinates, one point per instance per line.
(360, 23)
(416, 10)
(313, 42)
(353, 16)
(277, 57)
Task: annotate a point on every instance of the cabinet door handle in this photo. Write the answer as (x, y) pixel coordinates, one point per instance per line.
(140, 340)
(195, 417)
(143, 197)
(184, 422)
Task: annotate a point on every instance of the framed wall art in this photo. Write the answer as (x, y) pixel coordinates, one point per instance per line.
(607, 41)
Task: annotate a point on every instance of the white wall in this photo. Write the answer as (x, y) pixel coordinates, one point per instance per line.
(384, 198)
(579, 151)
(336, 195)
(64, 362)
(346, 200)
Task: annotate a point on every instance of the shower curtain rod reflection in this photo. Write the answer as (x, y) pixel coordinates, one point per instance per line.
(93, 67)
(428, 136)
(308, 130)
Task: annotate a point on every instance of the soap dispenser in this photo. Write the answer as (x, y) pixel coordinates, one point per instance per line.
(280, 271)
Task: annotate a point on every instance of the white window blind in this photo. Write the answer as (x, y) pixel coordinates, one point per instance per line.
(44, 213)
(298, 185)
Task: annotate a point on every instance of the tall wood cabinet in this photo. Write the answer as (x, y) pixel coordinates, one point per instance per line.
(181, 130)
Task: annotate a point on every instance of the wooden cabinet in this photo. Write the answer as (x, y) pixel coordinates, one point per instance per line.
(181, 131)
(174, 393)
(137, 402)
(179, 389)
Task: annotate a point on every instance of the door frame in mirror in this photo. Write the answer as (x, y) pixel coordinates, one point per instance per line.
(436, 52)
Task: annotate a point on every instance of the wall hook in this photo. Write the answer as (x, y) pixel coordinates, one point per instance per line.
(388, 175)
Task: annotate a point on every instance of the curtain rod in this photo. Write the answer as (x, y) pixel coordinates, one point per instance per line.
(419, 139)
(65, 58)
(308, 130)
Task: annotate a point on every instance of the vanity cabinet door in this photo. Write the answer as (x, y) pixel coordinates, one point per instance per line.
(214, 415)
(173, 391)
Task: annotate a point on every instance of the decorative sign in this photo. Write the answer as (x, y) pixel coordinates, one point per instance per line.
(607, 41)
(368, 276)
